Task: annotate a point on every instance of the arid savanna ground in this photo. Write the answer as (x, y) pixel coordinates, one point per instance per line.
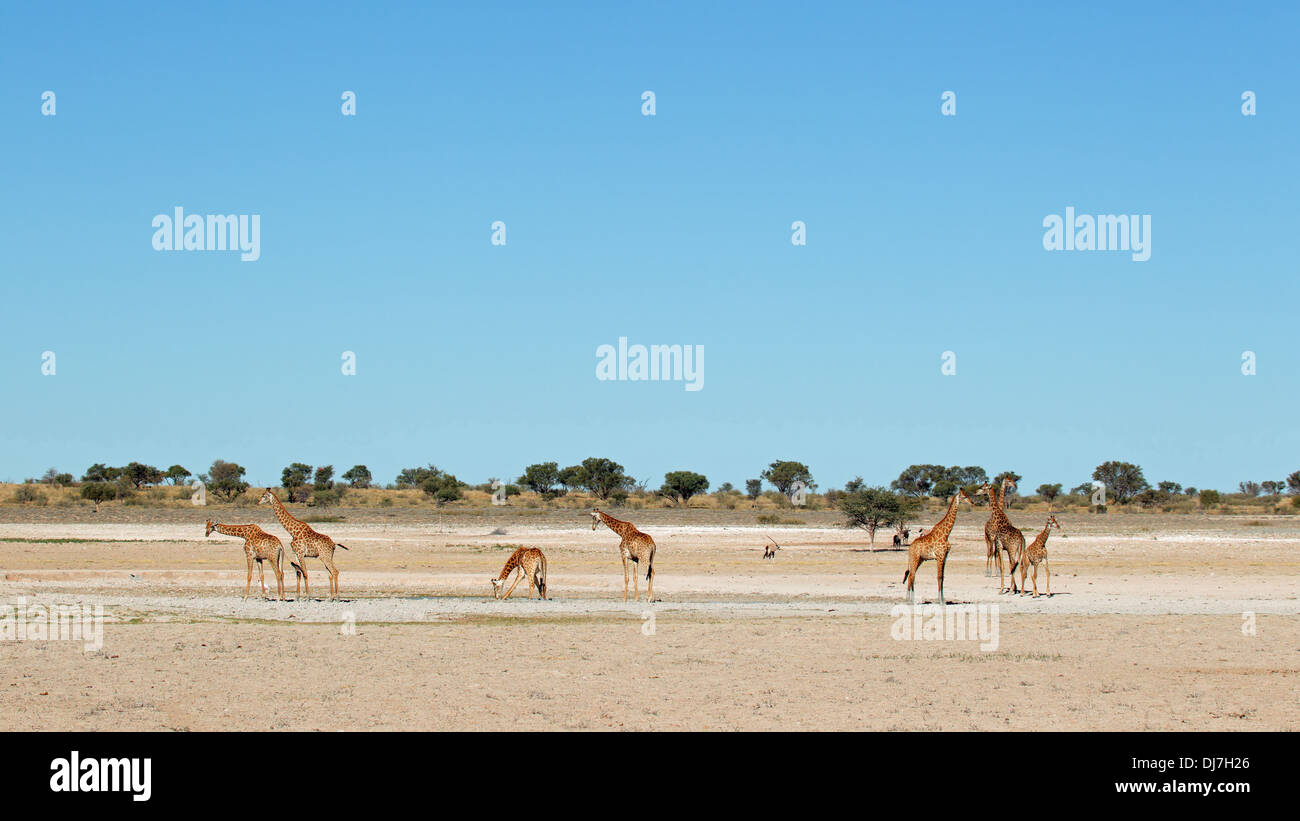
(1158, 621)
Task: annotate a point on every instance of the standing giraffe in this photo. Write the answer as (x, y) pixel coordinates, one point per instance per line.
(259, 546)
(531, 564)
(1000, 535)
(933, 545)
(1035, 553)
(306, 543)
(634, 545)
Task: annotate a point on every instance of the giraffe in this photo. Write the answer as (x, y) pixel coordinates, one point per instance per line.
(306, 543)
(933, 545)
(1035, 554)
(259, 546)
(531, 564)
(634, 545)
(1001, 535)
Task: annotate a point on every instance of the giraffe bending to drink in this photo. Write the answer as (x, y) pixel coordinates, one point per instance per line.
(1001, 536)
(933, 545)
(634, 545)
(259, 546)
(530, 564)
(306, 543)
(1035, 554)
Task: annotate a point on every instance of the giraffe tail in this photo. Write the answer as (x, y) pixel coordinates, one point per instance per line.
(906, 573)
(340, 544)
(541, 581)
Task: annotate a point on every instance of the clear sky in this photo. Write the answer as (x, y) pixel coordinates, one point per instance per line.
(924, 235)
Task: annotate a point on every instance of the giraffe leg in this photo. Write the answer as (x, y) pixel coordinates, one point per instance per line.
(912, 564)
(988, 557)
(625, 578)
(519, 575)
(1047, 568)
(334, 578)
(939, 574)
(261, 577)
(636, 582)
(250, 578)
(1022, 582)
(279, 578)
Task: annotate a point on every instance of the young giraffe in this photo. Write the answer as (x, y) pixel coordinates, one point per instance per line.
(531, 564)
(1000, 535)
(1035, 553)
(306, 543)
(636, 546)
(259, 546)
(933, 545)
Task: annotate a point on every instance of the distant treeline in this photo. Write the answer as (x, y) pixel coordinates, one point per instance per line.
(1113, 482)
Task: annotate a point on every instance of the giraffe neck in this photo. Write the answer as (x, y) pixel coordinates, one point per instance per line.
(511, 563)
(1042, 537)
(622, 528)
(995, 500)
(945, 524)
(290, 524)
(242, 531)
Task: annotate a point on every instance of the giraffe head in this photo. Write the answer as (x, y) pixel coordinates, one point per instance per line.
(496, 587)
(985, 490)
(211, 527)
(596, 521)
(961, 491)
(1051, 522)
(1008, 483)
(267, 496)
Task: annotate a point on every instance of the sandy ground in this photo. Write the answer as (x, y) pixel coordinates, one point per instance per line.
(1144, 630)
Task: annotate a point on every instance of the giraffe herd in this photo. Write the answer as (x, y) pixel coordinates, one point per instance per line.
(1000, 536)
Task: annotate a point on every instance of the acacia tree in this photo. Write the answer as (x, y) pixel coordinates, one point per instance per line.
(442, 488)
(605, 477)
(1049, 492)
(225, 480)
(541, 478)
(916, 480)
(357, 476)
(753, 488)
(785, 475)
(1123, 480)
(681, 485)
(572, 478)
(178, 475)
(872, 508)
(324, 478)
(294, 481)
(140, 475)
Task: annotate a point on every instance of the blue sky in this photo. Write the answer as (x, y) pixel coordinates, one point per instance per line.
(924, 235)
